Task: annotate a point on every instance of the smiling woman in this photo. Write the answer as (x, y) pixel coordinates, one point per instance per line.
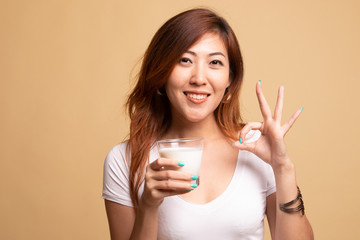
(173, 40)
(198, 81)
(194, 62)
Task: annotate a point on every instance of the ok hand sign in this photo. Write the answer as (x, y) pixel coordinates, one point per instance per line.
(270, 147)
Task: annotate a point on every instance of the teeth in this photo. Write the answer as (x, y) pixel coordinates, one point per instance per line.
(196, 96)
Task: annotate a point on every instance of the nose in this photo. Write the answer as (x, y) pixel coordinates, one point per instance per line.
(198, 76)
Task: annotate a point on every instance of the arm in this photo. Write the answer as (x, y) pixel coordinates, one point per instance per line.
(126, 223)
(270, 147)
(286, 225)
(121, 220)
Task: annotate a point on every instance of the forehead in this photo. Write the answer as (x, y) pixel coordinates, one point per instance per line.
(209, 42)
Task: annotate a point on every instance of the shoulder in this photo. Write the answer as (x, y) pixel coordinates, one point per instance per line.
(121, 155)
(116, 176)
(119, 148)
(117, 155)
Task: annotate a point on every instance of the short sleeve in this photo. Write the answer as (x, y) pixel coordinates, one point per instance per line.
(253, 136)
(116, 176)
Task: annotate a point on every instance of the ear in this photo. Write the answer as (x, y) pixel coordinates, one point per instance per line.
(226, 90)
(229, 83)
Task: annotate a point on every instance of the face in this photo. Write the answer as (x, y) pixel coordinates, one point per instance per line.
(198, 81)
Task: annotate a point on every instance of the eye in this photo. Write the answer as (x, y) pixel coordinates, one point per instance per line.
(185, 60)
(216, 62)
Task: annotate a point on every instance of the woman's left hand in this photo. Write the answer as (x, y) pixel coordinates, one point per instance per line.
(270, 147)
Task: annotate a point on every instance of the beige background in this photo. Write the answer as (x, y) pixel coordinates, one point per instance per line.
(64, 75)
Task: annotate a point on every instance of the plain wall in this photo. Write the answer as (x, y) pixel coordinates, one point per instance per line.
(66, 67)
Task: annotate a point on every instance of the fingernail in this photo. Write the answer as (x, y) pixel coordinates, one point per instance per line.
(240, 140)
(283, 86)
(194, 185)
(181, 164)
(302, 108)
(194, 177)
(260, 82)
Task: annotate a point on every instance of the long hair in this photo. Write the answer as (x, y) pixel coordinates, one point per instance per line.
(149, 111)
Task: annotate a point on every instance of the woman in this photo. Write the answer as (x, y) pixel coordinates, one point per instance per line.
(188, 86)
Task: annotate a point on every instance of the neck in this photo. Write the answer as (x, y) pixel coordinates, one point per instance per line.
(207, 129)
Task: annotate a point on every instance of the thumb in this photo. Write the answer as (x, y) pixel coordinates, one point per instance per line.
(244, 146)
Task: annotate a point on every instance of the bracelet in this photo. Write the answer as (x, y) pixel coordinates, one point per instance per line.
(285, 207)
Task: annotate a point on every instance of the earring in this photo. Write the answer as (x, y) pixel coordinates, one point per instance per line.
(228, 97)
(160, 93)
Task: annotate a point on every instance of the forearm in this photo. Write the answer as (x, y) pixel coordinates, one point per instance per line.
(146, 224)
(289, 225)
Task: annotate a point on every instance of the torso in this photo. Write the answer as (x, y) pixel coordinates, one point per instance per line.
(217, 168)
(233, 205)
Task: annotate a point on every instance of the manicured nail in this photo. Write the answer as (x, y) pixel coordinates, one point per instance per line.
(302, 108)
(181, 164)
(194, 185)
(260, 82)
(194, 177)
(240, 140)
(283, 86)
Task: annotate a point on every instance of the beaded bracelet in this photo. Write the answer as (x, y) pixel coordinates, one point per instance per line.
(285, 207)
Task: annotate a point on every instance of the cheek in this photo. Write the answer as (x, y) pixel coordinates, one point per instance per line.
(176, 78)
(171, 83)
(172, 87)
(221, 82)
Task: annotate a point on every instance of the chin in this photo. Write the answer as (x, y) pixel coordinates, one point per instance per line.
(196, 118)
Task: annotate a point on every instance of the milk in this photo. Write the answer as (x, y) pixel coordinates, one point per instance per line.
(190, 156)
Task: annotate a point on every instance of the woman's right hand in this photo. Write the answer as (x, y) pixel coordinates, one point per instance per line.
(162, 180)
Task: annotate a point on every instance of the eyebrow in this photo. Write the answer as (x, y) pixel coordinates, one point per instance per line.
(211, 54)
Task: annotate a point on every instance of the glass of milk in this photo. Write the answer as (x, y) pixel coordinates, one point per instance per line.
(185, 150)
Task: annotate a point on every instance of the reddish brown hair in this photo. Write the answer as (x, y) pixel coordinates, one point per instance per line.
(150, 112)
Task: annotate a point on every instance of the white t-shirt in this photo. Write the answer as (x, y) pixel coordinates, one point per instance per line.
(238, 213)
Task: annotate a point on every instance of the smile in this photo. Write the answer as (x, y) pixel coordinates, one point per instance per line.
(196, 97)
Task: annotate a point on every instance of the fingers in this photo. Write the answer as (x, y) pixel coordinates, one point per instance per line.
(264, 106)
(166, 183)
(172, 186)
(155, 191)
(160, 194)
(288, 125)
(266, 112)
(160, 163)
(247, 128)
(171, 175)
(165, 169)
(279, 105)
(245, 146)
(162, 180)
(244, 136)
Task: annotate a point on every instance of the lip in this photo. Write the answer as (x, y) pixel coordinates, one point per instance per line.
(194, 100)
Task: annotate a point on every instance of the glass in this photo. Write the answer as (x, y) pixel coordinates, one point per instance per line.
(185, 150)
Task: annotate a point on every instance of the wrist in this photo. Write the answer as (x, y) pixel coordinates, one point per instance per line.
(146, 221)
(146, 205)
(284, 168)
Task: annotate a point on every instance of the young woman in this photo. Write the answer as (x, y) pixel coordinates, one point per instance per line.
(189, 86)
